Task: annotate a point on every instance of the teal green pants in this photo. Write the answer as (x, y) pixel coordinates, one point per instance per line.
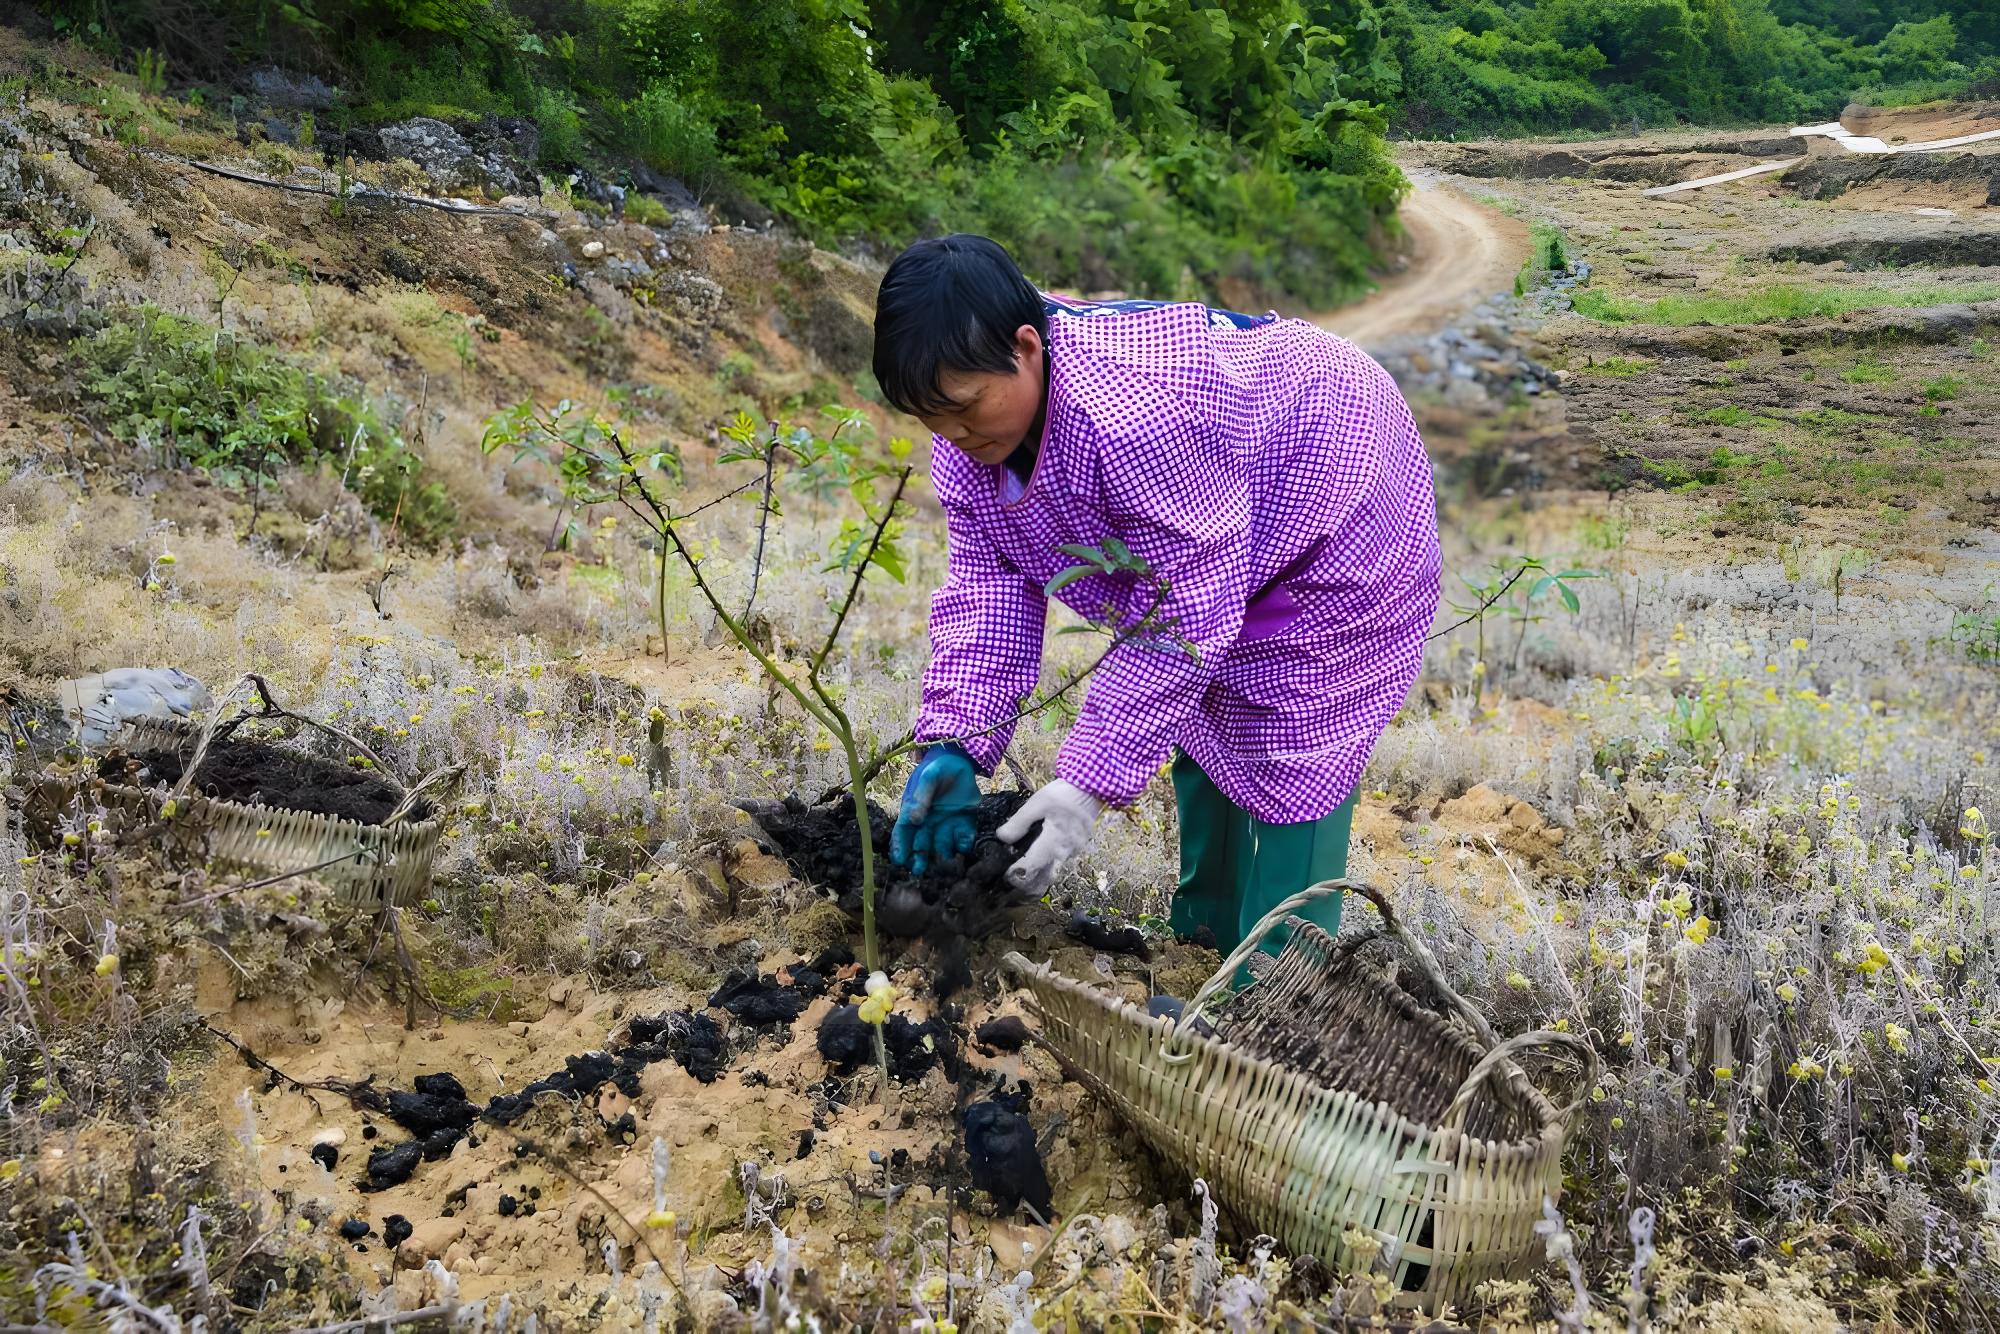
(1235, 867)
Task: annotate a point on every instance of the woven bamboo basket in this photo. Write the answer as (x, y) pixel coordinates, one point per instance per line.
(1331, 1099)
(376, 866)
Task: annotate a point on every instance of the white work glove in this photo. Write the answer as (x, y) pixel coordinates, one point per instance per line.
(1069, 817)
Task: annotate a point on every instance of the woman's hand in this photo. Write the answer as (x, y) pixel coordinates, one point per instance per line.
(934, 822)
(1068, 817)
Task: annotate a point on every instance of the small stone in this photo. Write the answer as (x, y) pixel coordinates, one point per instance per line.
(395, 1228)
(333, 1135)
(519, 1028)
(354, 1229)
(430, 1240)
(593, 249)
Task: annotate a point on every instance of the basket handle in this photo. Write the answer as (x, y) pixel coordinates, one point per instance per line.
(1506, 1054)
(1426, 961)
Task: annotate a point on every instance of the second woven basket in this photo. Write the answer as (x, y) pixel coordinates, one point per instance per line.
(1331, 1099)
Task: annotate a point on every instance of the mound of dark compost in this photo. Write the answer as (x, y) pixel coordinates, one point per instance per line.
(961, 896)
(259, 774)
(848, 1044)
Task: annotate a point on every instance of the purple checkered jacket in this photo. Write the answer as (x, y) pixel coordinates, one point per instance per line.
(1273, 477)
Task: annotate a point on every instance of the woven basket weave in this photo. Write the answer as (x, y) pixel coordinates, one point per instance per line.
(1331, 1099)
(377, 866)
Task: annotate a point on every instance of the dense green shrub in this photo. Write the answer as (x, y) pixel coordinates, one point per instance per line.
(239, 412)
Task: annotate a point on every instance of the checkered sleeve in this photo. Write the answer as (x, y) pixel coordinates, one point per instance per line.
(986, 645)
(1179, 497)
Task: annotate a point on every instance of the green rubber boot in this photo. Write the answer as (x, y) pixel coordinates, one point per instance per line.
(1235, 867)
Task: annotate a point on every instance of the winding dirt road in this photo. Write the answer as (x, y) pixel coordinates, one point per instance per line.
(1461, 252)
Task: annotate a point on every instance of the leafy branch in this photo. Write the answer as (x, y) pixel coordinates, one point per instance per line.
(1493, 591)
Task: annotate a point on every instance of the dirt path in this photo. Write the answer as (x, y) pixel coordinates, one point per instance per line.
(1460, 253)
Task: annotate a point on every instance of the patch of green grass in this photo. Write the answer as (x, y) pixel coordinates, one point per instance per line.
(1943, 388)
(647, 210)
(1773, 304)
(1728, 415)
(1868, 372)
(1828, 423)
(1511, 207)
(238, 411)
(1620, 367)
(1980, 349)
(1548, 257)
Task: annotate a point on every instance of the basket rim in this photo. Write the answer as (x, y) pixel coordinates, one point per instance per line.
(333, 823)
(1527, 1146)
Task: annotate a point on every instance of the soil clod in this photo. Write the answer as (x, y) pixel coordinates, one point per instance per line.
(392, 1166)
(1007, 1033)
(396, 1229)
(1104, 933)
(1002, 1156)
(848, 1044)
(695, 1041)
(764, 1002)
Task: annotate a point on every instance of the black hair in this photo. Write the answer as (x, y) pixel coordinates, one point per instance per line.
(951, 303)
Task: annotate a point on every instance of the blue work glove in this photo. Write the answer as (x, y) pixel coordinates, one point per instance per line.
(935, 822)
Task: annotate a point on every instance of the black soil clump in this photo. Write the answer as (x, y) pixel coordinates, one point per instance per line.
(696, 1041)
(579, 1077)
(396, 1229)
(1002, 1156)
(259, 774)
(1007, 1033)
(354, 1229)
(1104, 933)
(438, 1114)
(438, 1104)
(962, 896)
(393, 1165)
(325, 1155)
(848, 1044)
(765, 1002)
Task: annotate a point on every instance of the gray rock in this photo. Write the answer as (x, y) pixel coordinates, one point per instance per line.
(453, 162)
(301, 92)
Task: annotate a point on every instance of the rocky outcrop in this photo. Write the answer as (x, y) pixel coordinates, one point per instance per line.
(495, 156)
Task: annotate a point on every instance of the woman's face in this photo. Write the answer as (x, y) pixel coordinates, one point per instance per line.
(991, 414)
